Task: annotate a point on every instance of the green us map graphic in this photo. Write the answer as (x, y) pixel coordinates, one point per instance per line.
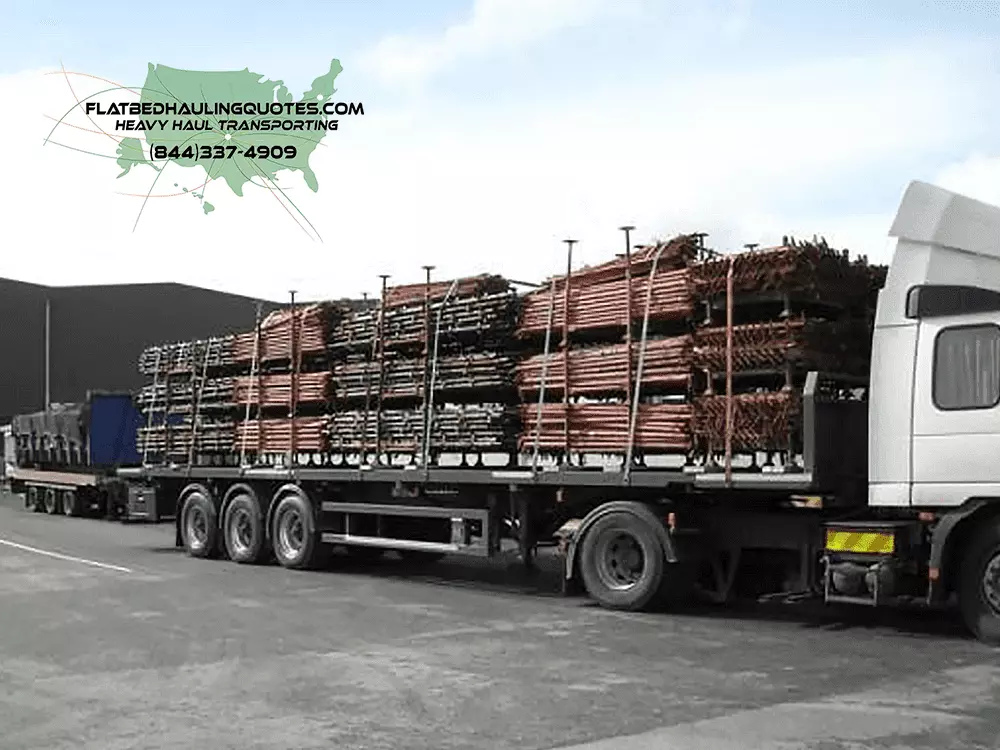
(239, 126)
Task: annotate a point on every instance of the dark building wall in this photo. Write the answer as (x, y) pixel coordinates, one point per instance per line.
(98, 333)
(22, 348)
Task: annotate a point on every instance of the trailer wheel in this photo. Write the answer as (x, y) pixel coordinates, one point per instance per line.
(70, 503)
(32, 500)
(622, 562)
(199, 528)
(293, 532)
(243, 529)
(979, 585)
(51, 501)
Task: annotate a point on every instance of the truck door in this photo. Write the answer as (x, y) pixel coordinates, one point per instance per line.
(956, 409)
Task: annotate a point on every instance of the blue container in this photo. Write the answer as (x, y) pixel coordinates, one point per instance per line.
(111, 422)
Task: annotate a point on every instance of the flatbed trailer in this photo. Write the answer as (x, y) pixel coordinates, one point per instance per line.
(857, 519)
(67, 457)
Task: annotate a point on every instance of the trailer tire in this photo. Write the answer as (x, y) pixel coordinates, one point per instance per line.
(979, 585)
(199, 525)
(608, 556)
(243, 529)
(293, 532)
(32, 500)
(51, 501)
(70, 503)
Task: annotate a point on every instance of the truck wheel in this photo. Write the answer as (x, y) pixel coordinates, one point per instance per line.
(243, 529)
(70, 505)
(199, 529)
(293, 533)
(621, 562)
(51, 501)
(32, 500)
(979, 585)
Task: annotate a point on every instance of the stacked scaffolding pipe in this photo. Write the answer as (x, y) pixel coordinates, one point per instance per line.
(312, 330)
(761, 421)
(603, 428)
(834, 346)
(402, 379)
(605, 369)
(603, 305)
(274, 436)
(275, 389)
(456, 428)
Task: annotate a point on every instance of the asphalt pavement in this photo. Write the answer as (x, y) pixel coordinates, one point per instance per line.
(110, 638)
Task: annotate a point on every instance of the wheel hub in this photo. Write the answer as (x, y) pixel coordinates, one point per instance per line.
(198, 526)
(620, 561)
(241, 530)
(991, 583)
(291, 533)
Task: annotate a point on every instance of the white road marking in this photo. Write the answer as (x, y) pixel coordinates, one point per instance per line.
(68, 558)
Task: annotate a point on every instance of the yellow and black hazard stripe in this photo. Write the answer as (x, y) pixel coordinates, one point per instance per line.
(861, 541)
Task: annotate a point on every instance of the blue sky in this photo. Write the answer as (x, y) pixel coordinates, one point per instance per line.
(492, 109)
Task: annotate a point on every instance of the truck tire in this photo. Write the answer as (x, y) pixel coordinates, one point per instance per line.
(70, 503)
(622, 562)
(199, 525)
(51, 500)
(979, 585)
(293, 533)
(243, 529)
(32, 499)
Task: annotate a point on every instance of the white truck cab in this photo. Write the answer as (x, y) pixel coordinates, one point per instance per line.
(934, 415)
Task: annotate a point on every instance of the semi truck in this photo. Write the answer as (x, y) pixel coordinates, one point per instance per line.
(892, 494)
(66, 456)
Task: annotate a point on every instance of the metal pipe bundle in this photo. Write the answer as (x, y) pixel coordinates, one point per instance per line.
(312, 329)
(761, 421)
(487, 319)
(835, 346)
(187, 356)
(276, 389)
(275, 435)
(469, 428)
(181, 396)
(403, 378)
(174, 440)
(604, 369)
(471, 286)
(603, 428)
(811, 270)
(676, 255)
(603, 304)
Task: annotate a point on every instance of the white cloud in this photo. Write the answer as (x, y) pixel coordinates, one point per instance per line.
(492, 25)
(977, 177)
(723, 154)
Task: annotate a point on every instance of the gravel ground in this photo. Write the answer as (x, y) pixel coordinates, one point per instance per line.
(112, 639)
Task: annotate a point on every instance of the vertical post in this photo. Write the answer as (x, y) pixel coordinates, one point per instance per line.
(427, 343)
(380, 343)
(48, 353)
(729, 373)
(254, 379)
(545, 372)
(430, 391)
(628, 311)
(292, 401)
(565, 348)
